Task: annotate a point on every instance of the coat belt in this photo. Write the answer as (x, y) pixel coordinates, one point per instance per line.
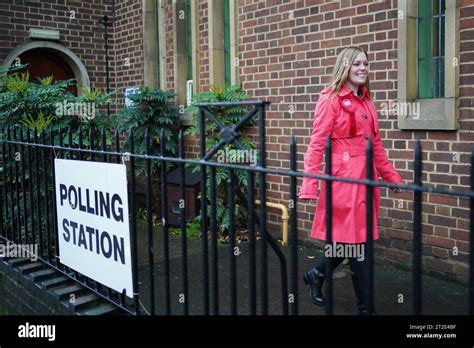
(352, 151)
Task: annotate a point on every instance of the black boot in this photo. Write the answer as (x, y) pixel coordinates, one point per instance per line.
(360, 279)
(315, 279)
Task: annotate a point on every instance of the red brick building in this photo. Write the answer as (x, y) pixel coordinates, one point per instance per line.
(421, 54)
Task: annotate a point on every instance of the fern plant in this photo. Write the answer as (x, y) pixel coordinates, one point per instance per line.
(46, 81)
(151, 109)
(39, 124)
(228, 116)
(24, 102)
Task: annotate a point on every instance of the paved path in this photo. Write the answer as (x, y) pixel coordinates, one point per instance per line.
(392, 286)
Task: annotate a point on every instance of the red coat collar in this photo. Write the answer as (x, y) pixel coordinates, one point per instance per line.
(346, 90)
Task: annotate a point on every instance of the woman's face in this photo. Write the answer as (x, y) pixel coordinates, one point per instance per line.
(358, 72)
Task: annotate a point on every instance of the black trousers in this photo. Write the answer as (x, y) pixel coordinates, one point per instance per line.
(360, 275)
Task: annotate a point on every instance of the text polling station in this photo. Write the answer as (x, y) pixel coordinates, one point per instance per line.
(93, 224)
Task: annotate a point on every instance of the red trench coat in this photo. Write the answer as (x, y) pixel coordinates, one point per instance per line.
(350, 120)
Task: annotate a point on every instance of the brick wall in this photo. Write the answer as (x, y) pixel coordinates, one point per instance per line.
(286, 53)
(128, 49)
(203, 47)
(19, 298)
(82, 35)
(31, 288)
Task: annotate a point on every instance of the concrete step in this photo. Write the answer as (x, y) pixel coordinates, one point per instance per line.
(100, 309)
(63, 292)
(16, 262)
(31, 267)
(85, 300)
(42, 275)
(55, 282)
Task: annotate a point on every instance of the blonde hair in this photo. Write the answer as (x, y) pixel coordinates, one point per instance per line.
(340, 73)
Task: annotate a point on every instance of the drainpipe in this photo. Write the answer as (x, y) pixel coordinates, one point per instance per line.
(284, 218)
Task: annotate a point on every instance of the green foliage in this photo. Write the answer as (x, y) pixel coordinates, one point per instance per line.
(91, 94)
(38, 124)
(46, 81)
(193, 229)
(17, 83)
(151, 109)
(228, 116)
(39, 105)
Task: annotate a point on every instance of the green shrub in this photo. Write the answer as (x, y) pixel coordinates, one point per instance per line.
(151, 109)
(228, 116)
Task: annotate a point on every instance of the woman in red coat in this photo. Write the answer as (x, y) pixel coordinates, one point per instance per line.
(345, 112)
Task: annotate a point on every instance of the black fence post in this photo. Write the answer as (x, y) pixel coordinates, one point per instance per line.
(133, 222)
(184, 237)
(471, 245)
(17, 189)
(149, 223)
(294, 230)
(262, 183)
(205, 259)
(232, 254)
(3, 197)
(24, 236)
(417, 211)
(165, 224)
(252, 247)
(328, 272)
(370, 226)
(53, 183)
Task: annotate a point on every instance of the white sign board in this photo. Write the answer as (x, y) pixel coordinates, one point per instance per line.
(93, 225)
(128, 91)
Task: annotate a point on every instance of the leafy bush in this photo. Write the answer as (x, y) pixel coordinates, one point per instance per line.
(45, 105)
(151, 109)
(228, 116)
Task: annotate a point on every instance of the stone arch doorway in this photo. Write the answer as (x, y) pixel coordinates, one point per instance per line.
(59, 60)
(43, 62)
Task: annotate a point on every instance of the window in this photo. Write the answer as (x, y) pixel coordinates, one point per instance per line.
(428, 54)
(150, 41)
(227, 59)
(223, 41)
(161, 72)
(186, 56)
(189, 42)
(158, 48)
(180, 51)
(431, 48)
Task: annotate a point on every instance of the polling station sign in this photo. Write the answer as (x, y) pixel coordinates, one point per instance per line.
(93, 225)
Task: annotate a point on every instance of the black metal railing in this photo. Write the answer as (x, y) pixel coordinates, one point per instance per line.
(27, 214)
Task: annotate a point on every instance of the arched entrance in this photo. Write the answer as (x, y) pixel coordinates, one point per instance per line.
(56, 59)
(42, 62)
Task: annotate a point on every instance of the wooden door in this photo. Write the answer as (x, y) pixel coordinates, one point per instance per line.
(42, 63)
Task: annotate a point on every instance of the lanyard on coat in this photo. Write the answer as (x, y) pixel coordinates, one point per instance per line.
(348, 106)
(352, 122)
